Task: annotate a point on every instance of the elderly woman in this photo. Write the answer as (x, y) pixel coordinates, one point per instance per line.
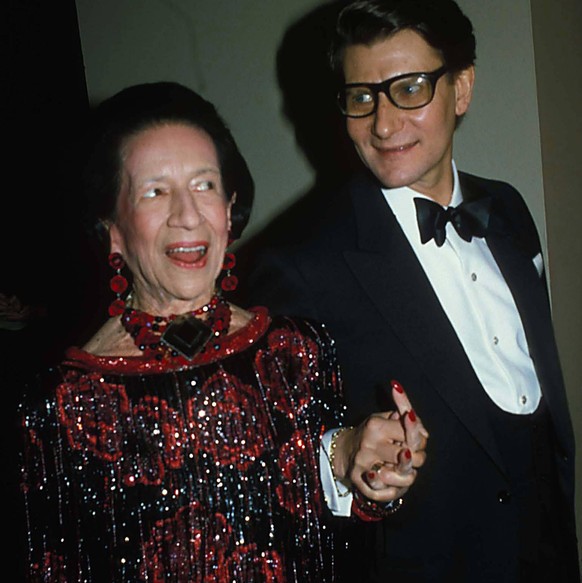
(183, 442)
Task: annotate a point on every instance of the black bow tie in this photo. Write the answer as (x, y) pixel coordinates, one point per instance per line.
(470, 219)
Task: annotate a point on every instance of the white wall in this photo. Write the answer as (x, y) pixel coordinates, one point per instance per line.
(226, 50)
(500, 138)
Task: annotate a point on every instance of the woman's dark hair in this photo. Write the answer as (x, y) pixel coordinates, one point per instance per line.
(440, 22)
(138, 108)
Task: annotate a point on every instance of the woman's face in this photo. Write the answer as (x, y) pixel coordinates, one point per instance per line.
(172, 219)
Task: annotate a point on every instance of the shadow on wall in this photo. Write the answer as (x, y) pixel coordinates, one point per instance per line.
(308, 90)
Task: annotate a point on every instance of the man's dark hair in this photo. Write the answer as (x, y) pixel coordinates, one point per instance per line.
(148, 105)
(440, 22)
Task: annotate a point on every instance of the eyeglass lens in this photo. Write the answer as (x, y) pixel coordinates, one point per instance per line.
(410, 92)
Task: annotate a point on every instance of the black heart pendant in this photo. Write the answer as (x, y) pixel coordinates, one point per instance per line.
(187, 335)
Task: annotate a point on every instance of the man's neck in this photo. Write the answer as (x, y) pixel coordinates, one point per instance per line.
(445, 194)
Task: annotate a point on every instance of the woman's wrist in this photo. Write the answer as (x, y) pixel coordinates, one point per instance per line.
(338, 459)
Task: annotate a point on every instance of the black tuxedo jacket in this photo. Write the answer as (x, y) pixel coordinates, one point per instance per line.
(359, 275)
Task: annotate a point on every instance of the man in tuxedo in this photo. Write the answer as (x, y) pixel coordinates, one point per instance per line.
(435, 277)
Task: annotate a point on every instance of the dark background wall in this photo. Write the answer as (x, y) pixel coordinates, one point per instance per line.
(44, 258)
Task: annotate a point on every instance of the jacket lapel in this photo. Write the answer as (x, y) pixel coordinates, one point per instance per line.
(515, 260)
(387, 268)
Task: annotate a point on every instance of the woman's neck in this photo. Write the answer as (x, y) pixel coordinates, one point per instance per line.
(166, 308)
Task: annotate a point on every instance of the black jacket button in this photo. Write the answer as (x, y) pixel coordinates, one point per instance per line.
(503, 497)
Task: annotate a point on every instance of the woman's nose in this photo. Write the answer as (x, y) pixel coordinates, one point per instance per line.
(184, 212)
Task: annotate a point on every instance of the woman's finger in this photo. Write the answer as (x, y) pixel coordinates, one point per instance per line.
(416, 434)
(400, 398)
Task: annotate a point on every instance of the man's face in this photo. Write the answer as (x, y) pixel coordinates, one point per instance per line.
(407, 147)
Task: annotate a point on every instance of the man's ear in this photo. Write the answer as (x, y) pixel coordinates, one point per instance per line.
(464, 82)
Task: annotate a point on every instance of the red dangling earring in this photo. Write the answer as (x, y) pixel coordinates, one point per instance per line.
(229, 282)
(118, 284)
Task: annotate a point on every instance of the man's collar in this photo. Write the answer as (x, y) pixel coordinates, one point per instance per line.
(407, 193)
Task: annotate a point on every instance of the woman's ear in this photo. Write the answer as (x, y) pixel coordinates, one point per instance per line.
(101, 228)
(115, 239)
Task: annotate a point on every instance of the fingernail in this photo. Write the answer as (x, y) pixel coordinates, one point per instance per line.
(397, 386)
(412, 415)
(407, 454)
(370, 476)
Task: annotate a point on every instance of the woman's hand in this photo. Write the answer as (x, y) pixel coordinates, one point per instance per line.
(381, 456)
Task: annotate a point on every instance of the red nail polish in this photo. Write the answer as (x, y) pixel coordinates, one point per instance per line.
(397, 386)
(370, 476)
(412, 415)
(407, 454)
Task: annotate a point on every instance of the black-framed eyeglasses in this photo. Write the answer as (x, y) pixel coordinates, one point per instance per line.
(408, 91)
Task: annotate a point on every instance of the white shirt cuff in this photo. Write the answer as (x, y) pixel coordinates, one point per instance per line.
(337, 497)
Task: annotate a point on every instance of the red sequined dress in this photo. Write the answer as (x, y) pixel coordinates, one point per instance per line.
(141, 470)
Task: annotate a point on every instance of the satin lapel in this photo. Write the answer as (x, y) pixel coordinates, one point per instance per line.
(387, 268)
(531, 300)
(514, 250)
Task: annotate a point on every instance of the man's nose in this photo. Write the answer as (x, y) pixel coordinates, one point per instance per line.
(388, 119)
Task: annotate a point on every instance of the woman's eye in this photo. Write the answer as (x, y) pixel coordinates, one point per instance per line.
(152, 193)
(204, 185)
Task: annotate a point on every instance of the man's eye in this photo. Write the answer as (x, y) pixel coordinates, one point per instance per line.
(408, 89)
(412, 88)
(362, 98)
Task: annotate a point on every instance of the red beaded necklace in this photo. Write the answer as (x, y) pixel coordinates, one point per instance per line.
(184, 335)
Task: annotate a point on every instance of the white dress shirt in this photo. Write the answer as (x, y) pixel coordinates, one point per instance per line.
(478, 303)
(482, 311)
